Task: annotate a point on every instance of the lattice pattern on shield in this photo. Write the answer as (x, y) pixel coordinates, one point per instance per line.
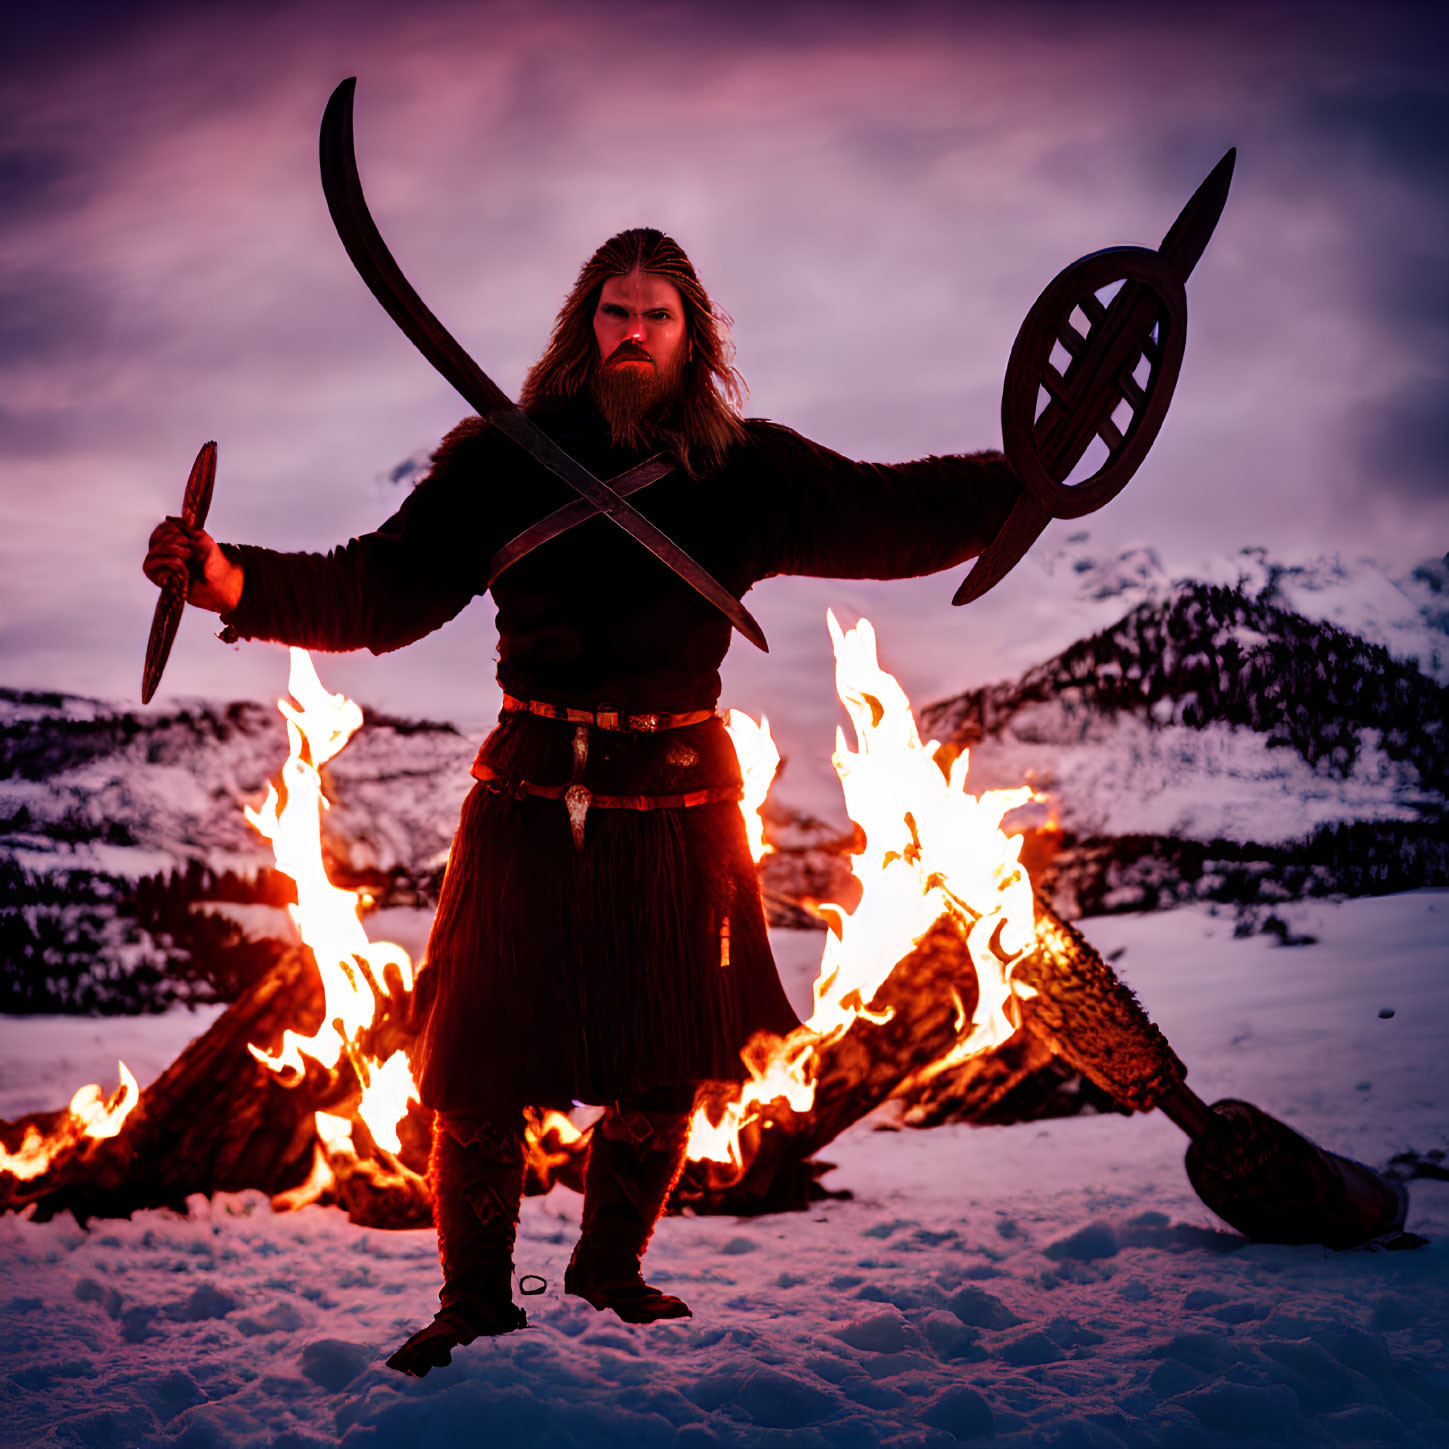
(1124, 393)
(1102, 347)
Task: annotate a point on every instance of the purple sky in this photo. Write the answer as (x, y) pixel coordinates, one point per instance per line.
(876, 199)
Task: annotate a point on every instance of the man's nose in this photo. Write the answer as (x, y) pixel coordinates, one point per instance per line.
(635, 331)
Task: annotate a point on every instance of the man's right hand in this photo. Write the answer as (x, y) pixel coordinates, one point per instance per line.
(177, 551)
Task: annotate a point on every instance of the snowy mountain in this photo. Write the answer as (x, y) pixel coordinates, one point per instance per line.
(1257, 733)
(1254, 733)
(130, 875)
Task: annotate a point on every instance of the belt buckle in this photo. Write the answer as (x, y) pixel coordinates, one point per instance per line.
(645, 724)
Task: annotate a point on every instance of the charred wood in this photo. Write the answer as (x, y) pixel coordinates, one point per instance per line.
(1091, 1019)
(853, 1074)
(215, 1121)
(1022, 1080)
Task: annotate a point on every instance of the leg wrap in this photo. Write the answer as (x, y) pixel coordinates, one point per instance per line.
(477, 1183)
(476, 1176)
(635, 1159)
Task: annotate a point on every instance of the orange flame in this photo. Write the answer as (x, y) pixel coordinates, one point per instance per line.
(930, 848)
(100, 1118)
(759, 760)
(327, 916)
(90, 1114)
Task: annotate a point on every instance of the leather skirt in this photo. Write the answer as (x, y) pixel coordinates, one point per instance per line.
(633, 960)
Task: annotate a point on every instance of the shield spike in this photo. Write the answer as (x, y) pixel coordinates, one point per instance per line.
(1188, 236)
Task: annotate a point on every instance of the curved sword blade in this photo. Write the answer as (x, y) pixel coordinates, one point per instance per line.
(375, 265)
(365, 246)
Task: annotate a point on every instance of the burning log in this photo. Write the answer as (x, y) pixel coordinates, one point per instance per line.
(1076, 1003)
(213, 1122)
(1022, 1080)
(1072, 1008)
(915, 1042)
(916, 1014)
(943, 915)
(303, 1088)
(1254, 1172)
(218, 1121)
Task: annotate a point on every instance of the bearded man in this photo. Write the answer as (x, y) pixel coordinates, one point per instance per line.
(600, 936)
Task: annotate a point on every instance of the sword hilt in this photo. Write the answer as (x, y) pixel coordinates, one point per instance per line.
(195, 505)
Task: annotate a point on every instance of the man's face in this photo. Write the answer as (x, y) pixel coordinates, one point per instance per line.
(639, 324)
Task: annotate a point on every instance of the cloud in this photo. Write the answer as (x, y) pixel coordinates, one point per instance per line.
(49, 316)
(41, 180)
(1405, 441)
(1399, 128)
(876, 197)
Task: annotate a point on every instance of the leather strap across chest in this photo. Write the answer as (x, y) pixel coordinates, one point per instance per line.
(565, 518)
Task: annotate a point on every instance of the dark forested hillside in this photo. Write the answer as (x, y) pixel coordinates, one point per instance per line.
(1216, 744)
(1209, 654)
(129, 877)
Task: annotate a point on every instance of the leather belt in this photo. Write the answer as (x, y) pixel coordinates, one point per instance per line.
(608, 719)
(712, 796)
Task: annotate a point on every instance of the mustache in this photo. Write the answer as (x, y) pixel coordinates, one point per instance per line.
(630, 351)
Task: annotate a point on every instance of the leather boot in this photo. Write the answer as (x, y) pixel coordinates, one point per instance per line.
(635, 1159)
(477, 1186)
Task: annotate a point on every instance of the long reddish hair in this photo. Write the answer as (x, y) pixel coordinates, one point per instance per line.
(704, 420)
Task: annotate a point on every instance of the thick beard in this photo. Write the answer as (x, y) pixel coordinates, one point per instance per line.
(635, 403)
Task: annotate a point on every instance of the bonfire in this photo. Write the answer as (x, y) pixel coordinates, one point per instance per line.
(304, 1087)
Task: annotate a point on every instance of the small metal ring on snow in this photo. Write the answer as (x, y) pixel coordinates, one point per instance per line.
(528, 1278)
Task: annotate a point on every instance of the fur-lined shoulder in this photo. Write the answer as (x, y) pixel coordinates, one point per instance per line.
(465, 432)
(772, 437)
(763, 428)
(770, 434)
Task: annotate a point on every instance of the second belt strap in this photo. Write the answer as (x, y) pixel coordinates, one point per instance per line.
(579, 799)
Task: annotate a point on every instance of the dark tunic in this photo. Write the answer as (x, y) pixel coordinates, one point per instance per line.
(560, 975)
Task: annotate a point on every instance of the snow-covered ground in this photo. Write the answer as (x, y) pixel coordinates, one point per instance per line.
(1047, 1284)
